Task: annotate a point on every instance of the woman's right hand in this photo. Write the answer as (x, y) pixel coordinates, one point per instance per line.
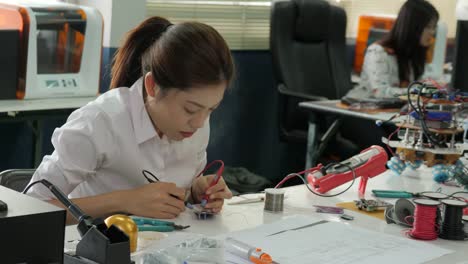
(155, 200)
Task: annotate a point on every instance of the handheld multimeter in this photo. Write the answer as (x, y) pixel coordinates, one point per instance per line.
(369, 163)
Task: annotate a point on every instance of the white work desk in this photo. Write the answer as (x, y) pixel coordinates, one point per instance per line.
(330, 107)
(35, 110)
(300, 201)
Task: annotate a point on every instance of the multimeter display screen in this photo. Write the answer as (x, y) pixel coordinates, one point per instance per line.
(353, 163)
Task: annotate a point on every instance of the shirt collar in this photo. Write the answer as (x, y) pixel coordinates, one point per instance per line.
(142, 125)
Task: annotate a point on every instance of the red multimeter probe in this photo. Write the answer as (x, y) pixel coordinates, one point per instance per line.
(218, 176)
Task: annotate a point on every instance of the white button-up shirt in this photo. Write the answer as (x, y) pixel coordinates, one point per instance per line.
(379, 76)
(105, 145)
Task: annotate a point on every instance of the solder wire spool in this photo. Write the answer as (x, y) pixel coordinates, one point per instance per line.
(274, 199)
(437, 196)
(452, 226)
(424, 226)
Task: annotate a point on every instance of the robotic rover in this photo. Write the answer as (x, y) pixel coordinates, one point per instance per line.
(431, 131)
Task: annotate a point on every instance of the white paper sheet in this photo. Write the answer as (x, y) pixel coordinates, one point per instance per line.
(335, 243)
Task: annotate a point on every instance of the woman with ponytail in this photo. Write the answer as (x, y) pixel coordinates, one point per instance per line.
(399, 58)
(166, 81)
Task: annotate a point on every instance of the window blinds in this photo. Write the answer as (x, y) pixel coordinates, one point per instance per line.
(245, 24)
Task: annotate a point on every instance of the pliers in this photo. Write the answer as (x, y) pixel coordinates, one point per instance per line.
(150, 224)
(394, 194)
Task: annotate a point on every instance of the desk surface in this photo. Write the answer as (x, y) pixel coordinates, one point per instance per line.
(331, 107)
(300, 201)
(43, 104)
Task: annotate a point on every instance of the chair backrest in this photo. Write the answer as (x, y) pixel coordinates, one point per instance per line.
(16, 179)
(308, 47)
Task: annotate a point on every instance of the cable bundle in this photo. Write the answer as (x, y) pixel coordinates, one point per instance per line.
(421, 115)
(452, 227)
(424, 226)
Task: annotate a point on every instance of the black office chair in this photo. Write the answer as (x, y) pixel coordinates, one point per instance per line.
(307, 43)
(16, 179)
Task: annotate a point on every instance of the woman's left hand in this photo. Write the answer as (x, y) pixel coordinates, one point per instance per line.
(216, 193)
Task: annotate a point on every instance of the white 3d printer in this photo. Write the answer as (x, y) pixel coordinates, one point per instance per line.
(58, 52)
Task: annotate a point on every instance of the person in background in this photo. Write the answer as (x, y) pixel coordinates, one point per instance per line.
(399, 58)
(166, 81)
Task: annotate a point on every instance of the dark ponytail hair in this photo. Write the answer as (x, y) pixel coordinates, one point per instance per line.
(181, 56)
(404, 38)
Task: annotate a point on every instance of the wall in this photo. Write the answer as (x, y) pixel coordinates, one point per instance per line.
(245, 128)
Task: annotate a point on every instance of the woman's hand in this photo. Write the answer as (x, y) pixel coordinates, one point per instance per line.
(216, 193)
(156, 200)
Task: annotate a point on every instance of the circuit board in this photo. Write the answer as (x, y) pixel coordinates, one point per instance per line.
(371, 205)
